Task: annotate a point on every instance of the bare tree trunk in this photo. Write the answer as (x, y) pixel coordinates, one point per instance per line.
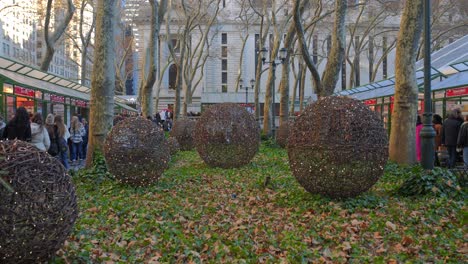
(335, 58)
(302, 87)
(269, 117)
(147, 89)
(402, 137)
(103, 79)
(304, 49)
(85, 41)
(51, 38)
(284, 85)
(294, 95)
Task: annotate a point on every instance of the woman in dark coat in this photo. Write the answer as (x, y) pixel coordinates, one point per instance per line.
(450, 130)
(19, 127)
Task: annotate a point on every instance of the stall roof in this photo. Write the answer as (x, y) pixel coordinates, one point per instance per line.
(30, 76)
(452, 59)
(17, 67)
(55, 88)
(455, 81)
(383, 88)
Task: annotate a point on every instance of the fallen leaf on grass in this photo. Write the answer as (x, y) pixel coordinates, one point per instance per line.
(390, 225)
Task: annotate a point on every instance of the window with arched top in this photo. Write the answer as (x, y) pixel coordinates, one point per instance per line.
(172, 76)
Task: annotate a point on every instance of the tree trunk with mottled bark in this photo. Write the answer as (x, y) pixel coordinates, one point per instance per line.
(402, 148)
(284, 84)
(103, 79)
(147, 89)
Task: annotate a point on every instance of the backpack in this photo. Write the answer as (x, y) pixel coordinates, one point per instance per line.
(54, 149)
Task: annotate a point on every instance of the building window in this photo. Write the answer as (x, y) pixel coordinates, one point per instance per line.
(175, 45)
(172, 77)
(224, 51)
(223, 38)
(224, 62)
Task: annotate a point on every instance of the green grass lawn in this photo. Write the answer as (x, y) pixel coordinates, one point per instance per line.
(198, 214)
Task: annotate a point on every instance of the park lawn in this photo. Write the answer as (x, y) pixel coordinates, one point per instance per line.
(198, 214)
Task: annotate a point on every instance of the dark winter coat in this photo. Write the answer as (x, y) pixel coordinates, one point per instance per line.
(13, 131)
(463, 136)
(450, 130)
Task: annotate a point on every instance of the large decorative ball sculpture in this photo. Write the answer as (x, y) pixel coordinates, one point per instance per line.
(227, 136)
(183, 130)
(136, 151)
(37, 204)
(337, 147)
(174, 145)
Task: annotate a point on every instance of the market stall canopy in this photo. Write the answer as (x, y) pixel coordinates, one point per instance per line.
(30, 76)
(450, 60)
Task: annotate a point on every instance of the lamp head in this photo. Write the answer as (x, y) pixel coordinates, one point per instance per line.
(282, 54)
(263, 54)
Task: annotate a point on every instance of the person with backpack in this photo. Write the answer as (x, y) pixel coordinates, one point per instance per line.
(63, 136)
(52, 129)
(77, 131)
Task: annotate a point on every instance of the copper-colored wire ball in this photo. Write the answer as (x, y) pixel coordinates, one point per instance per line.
(337, 147)
(38, 213)
(174, 145)
(183, 130)
(227, 136)
(136, 151)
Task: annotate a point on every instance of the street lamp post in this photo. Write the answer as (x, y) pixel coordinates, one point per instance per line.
(252, 84)
(273, 63)
(427, 132)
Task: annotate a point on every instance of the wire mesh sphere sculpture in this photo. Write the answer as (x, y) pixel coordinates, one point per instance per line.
(38, 213)
(282, 134)
(136, 151)
(337, 147)
(227, 136)
(183, 130)
(174, 145)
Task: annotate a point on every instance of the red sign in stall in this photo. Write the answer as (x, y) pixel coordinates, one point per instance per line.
(80, 103)
(24, 91)
(370, 102)
(57, 98)
(457, 92)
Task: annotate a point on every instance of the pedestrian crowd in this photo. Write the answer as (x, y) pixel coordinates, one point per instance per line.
(451, 138)
(69, 145)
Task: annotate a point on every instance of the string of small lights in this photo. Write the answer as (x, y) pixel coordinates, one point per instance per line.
(38, 216)
(227, 136)
(337, 147)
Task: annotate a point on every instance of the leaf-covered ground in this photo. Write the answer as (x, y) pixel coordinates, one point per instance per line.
(198, 214)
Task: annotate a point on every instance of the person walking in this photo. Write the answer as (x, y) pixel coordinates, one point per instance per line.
(63, 136)
(437, 124)
(450, 129)
(77, 132)
(19, 126)
(419, 126)
(462, 141)
(2, 125)
(39, 135)
(84, 145)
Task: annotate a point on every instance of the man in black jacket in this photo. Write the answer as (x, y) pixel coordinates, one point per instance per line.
(450, 129)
